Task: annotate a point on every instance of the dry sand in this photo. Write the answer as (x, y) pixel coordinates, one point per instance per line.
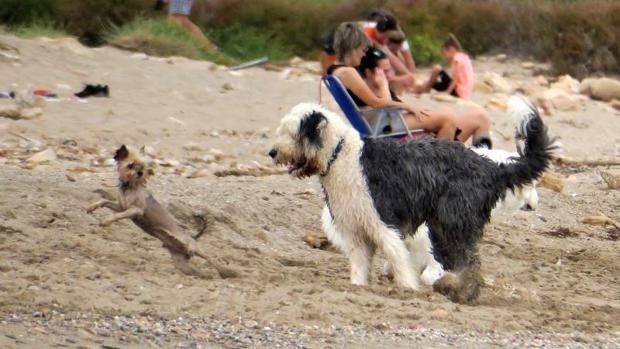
(64, 281)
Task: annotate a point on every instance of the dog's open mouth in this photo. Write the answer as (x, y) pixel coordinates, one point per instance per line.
(296, 166)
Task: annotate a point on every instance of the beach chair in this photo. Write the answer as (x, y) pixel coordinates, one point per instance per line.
(373, 123)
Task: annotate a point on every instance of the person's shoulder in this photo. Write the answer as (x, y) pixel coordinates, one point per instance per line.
(345, 71)
(462, 57)
(368, 24)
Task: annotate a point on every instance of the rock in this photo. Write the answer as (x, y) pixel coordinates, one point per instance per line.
(527, 65)
(501, 57)
(562, 100)
(226, 87)
(42, 157)
(541, 80)
(612, 178)
(604, 89)
(9, 53)
(296, 61)
(440, 314)
(316, 240)
(218, 154)
(551, 181)
(191, 146)
(10, 111)
(140, 56)
(30, 113)
(203, 172)
(285, 74)
(480, 86)
(498, 102)
(566, 83)
(497, 82)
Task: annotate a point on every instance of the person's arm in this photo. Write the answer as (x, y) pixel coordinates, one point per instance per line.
(352, 80)
(409, 62)
(456, 75)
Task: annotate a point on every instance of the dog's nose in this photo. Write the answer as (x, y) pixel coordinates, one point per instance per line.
(140, 173)
(273, 153)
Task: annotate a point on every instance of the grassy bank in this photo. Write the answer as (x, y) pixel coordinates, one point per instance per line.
(161, 38)
(578, 36)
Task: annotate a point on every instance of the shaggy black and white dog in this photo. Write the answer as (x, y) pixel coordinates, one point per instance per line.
(379, 191)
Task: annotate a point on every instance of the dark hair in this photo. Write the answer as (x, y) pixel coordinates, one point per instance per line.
(452, 41)
(328, 43)
(378, 13)
(397, 38)
(370, 60)
(387, 22)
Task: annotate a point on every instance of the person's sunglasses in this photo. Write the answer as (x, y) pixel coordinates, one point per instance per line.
(378, 53)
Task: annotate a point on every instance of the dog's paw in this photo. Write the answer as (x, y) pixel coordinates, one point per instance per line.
(91, 208)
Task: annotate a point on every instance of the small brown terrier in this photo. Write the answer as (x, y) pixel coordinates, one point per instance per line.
(136, 203)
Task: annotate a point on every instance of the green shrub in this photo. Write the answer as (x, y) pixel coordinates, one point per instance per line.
(246, 43)
(37, 29)
(160, 37)
(578, 36)
(425, 48)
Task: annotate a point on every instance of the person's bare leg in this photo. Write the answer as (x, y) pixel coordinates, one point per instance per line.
(186, 23)
(441, 121)
(474, 123)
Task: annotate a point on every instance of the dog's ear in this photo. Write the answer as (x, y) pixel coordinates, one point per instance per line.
(121, 153)
(143, 149)
(311, 127)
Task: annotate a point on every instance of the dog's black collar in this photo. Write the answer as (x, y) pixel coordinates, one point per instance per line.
(333, 158)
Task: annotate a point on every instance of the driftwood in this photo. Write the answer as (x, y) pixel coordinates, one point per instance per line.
(551, 181)
(583, 162)
(600, 219)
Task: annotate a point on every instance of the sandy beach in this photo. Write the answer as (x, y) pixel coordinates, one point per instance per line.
(551, 280)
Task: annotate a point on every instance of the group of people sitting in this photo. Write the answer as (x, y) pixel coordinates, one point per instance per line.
(373, 61)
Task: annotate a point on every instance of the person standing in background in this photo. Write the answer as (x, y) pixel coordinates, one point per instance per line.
(178, 13)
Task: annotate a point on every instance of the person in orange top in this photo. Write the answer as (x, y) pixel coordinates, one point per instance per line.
(460, 83)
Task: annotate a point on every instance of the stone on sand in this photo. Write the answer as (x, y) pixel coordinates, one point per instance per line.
(604, 89)
(497, 82)
(10, 111)
(566, 83)
(502, 57)
(499, 101)
(43, 157)
(561, 100)
(612, 178)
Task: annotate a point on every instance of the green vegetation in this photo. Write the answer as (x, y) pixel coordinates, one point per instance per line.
(162, 38)
(578, 36)
(36, 29)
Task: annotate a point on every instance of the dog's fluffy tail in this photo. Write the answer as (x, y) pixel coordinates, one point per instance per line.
(536, 155)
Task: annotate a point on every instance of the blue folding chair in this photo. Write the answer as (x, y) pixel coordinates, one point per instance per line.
(373, 123)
